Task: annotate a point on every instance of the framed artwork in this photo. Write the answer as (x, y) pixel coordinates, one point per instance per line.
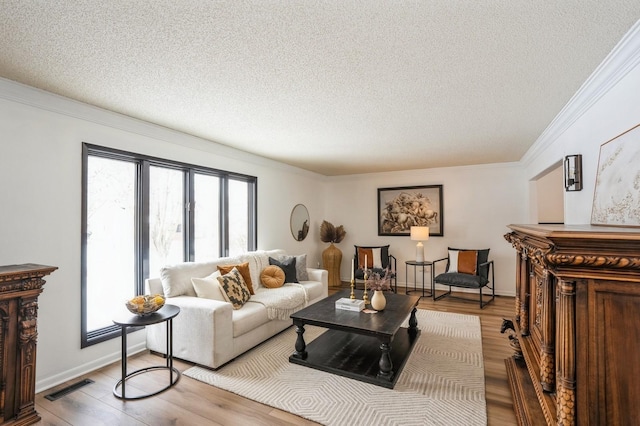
(616, 199)
(401, 208)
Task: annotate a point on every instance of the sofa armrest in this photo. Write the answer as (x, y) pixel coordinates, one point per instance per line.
(201, 331)
(321, 275)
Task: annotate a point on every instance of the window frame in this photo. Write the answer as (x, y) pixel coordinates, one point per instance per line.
(142, 194)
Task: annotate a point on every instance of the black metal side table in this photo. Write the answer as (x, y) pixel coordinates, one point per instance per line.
(164, 314)
(415, 264)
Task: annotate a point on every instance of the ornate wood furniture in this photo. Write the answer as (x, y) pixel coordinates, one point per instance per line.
(576, 325)
(20, 286)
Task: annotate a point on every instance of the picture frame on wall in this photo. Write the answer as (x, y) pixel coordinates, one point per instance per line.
(616, 198)
(401, 208)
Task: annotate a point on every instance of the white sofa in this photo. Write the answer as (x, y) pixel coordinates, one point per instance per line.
(210, 332)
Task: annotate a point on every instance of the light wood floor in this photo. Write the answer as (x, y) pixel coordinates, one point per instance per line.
(194, 403)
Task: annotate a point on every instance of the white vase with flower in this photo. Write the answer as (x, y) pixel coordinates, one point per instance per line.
(379, 283)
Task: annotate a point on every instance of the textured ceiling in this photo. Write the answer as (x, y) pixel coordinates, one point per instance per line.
(335, 87)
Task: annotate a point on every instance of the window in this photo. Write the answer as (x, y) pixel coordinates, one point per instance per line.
(140, 213)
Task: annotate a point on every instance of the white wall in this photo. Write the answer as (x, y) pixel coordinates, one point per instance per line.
(479, 202)
(551, 205)
(40, 175)
(606, 106)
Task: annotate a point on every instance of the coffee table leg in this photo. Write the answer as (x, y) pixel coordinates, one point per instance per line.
(413, 322)
(385, 364)
(301, 346)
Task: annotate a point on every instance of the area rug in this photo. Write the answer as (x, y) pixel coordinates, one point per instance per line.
(442, 383)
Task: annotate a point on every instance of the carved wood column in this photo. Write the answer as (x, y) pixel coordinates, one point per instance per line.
(547, 326)
(566, 356)
(27, 342)
(523, 293)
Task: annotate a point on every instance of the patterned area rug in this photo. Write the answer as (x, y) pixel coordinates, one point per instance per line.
(441, 384)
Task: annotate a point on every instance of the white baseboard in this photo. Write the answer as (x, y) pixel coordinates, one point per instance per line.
(402, 287)
(55, 380)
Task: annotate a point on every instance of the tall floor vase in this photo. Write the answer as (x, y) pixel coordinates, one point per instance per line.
(331, 260)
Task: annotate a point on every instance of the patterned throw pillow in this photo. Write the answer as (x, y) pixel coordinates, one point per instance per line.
(234, 288)
(243, 268)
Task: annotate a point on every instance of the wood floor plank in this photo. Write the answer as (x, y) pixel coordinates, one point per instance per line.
(191, 402)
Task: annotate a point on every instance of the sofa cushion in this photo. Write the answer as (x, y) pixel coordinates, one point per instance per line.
(208, 287)
(272, 276)
(289, 268)
(243, 268)
(301, 266)
(250, 317)
(315, 289)
(234, 288)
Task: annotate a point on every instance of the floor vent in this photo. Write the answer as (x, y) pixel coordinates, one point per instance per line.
(62, 392)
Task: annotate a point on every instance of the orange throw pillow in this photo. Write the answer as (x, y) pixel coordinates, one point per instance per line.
(243, 268)
(272, 277)
(361, 254)
(467, 261)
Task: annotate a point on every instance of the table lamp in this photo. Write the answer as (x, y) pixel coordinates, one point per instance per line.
(419, 234)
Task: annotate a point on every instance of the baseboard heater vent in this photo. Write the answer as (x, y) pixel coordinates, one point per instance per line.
(66, 391)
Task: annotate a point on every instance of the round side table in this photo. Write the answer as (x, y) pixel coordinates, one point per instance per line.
(164, 314)
(415, 264)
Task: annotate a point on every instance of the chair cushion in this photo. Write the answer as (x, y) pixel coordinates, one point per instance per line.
(461, 280)
(359, 273)
(377, 256)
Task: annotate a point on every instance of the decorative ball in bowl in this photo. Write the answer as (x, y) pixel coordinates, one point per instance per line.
(145, 304)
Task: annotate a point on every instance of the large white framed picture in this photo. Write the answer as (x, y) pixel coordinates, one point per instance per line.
(616, 198)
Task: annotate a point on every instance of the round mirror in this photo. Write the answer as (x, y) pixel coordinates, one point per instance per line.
(299, 222)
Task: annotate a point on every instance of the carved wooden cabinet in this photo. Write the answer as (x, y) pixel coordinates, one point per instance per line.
(20, 286)
(577, 325)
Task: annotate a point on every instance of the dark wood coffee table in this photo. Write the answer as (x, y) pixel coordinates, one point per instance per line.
(372, 348)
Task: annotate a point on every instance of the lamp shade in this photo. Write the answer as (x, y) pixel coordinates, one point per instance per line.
(419, 233)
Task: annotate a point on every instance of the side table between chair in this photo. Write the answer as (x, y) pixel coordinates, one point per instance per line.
(416, 264)
(164, 314)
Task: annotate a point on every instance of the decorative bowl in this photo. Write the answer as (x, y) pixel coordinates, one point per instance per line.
(145, 304)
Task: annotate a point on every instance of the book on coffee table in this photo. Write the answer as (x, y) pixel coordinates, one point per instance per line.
(348, 304)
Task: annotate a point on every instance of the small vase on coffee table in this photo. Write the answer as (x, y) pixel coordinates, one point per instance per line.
(378, 301)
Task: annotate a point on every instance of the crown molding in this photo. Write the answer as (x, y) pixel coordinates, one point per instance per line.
(624, 57)
(48, 101)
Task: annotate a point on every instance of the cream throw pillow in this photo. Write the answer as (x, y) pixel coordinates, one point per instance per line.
(208, 287)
